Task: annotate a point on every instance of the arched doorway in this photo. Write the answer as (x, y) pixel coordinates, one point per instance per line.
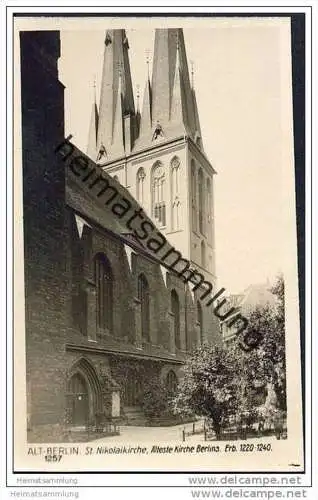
(83, 394)
(78, 402)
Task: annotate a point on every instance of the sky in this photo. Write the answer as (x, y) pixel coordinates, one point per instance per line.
(242, 75)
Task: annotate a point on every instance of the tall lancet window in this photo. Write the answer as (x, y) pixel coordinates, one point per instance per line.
(203, 255)
(158, 194)
(200, 321)
(175, 183)
(141, 176)
(104, 292)
(194, 196)
(175, 309)
(201, 201)
(175, 172)
(143, 296)
(209, 209)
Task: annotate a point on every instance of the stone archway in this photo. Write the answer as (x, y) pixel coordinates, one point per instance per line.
(83, 394)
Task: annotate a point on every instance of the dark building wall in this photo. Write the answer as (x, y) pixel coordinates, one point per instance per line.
(46, 284)
(126, 304)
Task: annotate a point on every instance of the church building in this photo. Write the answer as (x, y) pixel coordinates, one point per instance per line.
(106, 321)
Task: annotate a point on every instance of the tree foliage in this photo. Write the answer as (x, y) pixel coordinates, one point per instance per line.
(220, 381)
(271, 351)
(266, 364)
(210, 385)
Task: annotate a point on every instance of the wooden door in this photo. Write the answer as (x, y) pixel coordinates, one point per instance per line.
(78, 400)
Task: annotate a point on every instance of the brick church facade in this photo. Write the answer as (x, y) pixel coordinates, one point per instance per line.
(105, 318)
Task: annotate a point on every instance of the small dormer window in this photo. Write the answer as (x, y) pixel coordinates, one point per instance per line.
(102, 153)
(158, 132)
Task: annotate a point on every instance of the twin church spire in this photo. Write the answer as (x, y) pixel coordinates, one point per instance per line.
(169, 108)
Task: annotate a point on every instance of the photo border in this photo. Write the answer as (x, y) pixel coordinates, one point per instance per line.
(298, 86)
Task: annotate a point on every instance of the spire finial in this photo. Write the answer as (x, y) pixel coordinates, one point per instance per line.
(192, 74)
(138, 95)
(148, 61)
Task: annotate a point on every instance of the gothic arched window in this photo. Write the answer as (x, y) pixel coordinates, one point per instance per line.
(194, 195)
(201, 201)
(175, 181)
(104, 292)
(143, 296)
(140, 184)
(171, 382)
(203, 255)
(200, 321)
(175, 309)
(158, 194)
(175, 170)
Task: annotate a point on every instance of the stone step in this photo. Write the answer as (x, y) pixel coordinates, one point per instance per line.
(134, 416)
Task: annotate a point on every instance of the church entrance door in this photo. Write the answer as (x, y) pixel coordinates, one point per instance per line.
(78, 400)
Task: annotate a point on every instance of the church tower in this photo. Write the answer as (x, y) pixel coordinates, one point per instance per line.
(158, 153)
(115, 125)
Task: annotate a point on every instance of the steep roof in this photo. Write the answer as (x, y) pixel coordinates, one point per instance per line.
(92, 133)
(116, 97)
(169, 101)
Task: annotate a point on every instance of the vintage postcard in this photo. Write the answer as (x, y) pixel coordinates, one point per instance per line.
(156, 298)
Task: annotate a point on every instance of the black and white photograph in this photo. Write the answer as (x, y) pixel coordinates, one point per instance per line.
(156, 275)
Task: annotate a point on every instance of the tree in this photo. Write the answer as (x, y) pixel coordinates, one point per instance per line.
(269, 321)
(154, 400)
(265, 365)
(210, 386)
(220, 381)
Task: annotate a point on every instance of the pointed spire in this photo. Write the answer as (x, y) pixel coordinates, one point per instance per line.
(117, 147)
(188, 106)
(138, 97)
(93, 127)
(115, 54)
(145, 121)
(171, 89)
(178, 111)
(192, 74)
(138, 116)
(197, 136)
(163, 73)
